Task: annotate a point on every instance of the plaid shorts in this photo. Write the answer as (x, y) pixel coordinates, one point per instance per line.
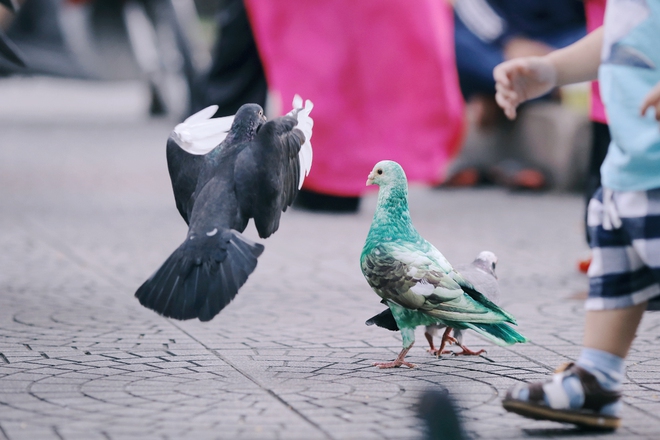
(624, 229)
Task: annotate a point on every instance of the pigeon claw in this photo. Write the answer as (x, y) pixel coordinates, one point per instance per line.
(394, 364)
(466, 352)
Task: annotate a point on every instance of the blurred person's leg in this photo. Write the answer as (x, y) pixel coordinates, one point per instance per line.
(236, 75)
(475, 60)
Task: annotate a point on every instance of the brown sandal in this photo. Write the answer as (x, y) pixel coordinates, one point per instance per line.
(589, 416)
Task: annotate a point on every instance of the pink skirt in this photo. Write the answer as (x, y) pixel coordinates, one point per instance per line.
(383, 79)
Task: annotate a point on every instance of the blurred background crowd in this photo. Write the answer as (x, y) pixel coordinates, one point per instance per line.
(404, 80)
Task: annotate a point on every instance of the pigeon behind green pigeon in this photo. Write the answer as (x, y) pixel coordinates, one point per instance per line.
(415, 280)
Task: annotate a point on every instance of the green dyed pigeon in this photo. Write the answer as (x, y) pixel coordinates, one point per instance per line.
(415, 280)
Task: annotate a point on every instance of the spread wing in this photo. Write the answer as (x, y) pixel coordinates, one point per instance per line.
(271, 170)
(186, 147)
(184, 170)
(423, 280)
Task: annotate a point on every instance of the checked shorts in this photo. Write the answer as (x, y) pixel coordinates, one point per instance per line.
(624, 229)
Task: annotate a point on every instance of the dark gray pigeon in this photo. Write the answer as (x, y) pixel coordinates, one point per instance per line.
(221, 179)
(481, 274)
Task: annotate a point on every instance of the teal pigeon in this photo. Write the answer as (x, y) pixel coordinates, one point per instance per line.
(415, 280)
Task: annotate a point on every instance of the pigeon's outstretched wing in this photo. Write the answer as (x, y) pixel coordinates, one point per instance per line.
(200, 133)
(271, 170)
(184, 169)
(186, 149)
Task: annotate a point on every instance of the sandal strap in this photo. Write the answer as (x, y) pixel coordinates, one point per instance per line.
(595, 396)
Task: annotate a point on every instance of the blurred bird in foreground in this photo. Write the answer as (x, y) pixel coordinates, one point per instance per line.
(415, 280)
(224, 172)
(441, 419)
(481, 274)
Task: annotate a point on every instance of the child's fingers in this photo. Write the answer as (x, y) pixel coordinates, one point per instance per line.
(506, 105)
(652, 100)
(507, 92)
(501, 75)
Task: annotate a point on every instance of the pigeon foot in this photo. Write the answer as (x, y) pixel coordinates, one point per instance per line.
(394, 364)
(466, 352)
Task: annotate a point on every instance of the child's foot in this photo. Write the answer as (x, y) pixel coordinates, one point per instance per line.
(571, 396)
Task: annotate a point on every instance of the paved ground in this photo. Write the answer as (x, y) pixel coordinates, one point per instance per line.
(87, 214)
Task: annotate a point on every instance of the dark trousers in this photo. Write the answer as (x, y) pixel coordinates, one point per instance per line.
(236, 75)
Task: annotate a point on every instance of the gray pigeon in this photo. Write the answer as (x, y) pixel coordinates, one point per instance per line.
(221, 179)
(481, 273)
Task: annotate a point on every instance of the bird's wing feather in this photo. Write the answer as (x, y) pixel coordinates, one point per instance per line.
(199, 134)
(184, 169)
(417, 281)
(271, 169)
(305, 124)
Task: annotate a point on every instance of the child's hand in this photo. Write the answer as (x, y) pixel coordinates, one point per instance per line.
(521, 79)
(652, 100)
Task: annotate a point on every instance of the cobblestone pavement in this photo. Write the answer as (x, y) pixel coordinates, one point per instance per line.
(87, 214)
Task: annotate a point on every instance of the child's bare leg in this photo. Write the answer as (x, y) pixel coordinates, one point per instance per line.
(613, 331)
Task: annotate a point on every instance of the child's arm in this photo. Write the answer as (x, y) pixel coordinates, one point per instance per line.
(521, 79)
(652, 100)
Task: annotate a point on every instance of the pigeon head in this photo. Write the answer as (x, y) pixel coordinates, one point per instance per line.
(387, 173)
(487, 261)
(249, 119)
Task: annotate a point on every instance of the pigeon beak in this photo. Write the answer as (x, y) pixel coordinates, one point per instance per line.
(370, 179)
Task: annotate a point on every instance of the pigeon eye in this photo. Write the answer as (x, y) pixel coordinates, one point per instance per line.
(380, 171)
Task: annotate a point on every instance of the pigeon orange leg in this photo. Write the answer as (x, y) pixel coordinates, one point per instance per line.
(398, 361)
(446, 338)
(467, 352)
(431, 349)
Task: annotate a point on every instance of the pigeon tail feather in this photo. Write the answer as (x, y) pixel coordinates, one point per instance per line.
(483, 299)
(384, 319)
(201, 276)
(501, 334)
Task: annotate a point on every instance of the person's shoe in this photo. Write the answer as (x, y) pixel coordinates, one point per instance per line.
(463, 178)
(515, 175)
(530, 400)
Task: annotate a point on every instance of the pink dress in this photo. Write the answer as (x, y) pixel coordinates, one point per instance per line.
(382, 77)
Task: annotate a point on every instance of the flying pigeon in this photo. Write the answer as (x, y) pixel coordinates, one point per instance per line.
(224, 172)
(415, 280)
(481, 274)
